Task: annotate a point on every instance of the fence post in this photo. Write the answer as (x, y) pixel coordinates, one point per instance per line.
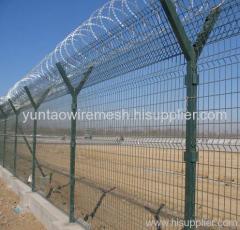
(74, 93)
(4, 135)
(191, 53)
(4, 140)
(35, 105)
(17, 112)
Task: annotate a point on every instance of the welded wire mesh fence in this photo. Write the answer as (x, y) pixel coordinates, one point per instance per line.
(218, 166)
(131, 168)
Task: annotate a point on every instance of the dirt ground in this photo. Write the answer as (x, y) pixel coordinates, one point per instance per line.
(11, 220)
(141, 178)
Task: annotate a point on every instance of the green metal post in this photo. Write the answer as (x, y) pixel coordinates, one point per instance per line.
(16, 111)
(191, 53)
(73, 158)
(74, 93)
(34, 144)
(191, 155)
(15, 146)
(4, 141)
(4, 135)
(34, 154)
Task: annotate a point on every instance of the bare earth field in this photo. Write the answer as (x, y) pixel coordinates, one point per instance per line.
(134, 182)
(9, 220)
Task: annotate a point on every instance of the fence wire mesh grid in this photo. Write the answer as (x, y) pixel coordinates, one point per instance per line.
(134, 173)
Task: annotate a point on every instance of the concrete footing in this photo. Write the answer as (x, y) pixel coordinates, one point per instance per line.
(51, 217)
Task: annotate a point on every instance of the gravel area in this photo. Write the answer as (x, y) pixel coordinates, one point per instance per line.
(11, 215)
